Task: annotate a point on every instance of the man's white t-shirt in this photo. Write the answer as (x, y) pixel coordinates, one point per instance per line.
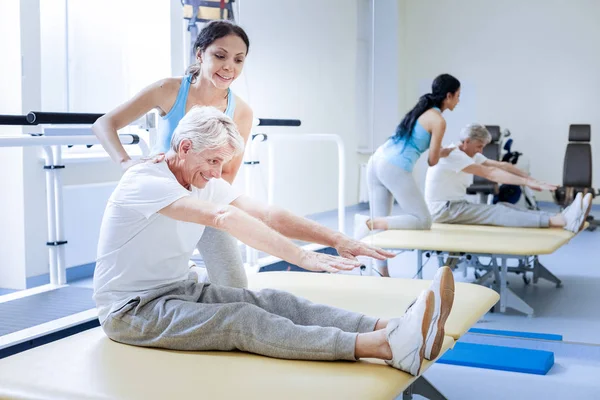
(138, 248)
(446, 181)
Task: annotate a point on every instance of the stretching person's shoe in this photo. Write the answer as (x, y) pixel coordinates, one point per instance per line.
(442, 288)
(574, 214)
(576, 201)
(443, 292)
(586, 206)
(406, 335)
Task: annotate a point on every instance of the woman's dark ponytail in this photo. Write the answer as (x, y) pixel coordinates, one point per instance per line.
(441, 86)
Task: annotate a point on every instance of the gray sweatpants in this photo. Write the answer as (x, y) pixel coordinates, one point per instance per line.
(501, 214)
(387, 182)
(193, 316)
(222, 258)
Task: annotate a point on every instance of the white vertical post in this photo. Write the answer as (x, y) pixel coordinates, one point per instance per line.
(58, 212)
(51, 216)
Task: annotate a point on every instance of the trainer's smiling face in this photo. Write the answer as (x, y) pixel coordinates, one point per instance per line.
(223, 60)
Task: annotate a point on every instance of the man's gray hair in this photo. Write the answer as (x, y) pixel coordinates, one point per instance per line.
(207, 128)
(475, 132)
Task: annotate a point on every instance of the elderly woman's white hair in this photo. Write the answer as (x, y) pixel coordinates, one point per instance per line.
(475, 132)
(207, 128)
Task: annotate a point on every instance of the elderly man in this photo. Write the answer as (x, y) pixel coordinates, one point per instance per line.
(446, 184)
(151, 225)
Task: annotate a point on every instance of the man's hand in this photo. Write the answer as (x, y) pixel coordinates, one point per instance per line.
(445, 151)
(349, 248)
(125, 165)
(539, 186)
(313, 261)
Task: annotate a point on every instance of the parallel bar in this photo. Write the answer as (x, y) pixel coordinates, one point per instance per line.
(278, 122)
(40, 117)
(13, 120)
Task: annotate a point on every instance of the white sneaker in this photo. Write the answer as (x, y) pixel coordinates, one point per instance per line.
(574, 214)
(406, 335)
(360, 226)
(443, 292)
(586, 206)
(577, 200)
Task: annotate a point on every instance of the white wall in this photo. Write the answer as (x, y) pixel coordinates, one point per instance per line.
(122, 48)
(530, 66)
(302, 64)
(12, 252)
(387, 61)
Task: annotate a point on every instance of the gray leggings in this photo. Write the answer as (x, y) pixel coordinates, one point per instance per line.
(193, 316)
(222, 258)
(387, 182)
(501, 214)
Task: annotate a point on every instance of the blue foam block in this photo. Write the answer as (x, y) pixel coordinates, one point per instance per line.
(501, 358)
(525, 335)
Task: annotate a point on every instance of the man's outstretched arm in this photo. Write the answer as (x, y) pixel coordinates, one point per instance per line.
(254, 233)
(508, 167)
(501, 176)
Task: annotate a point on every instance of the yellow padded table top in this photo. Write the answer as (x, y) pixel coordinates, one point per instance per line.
(88, 365)
(91, 366)
(474, 239)
(379, 297)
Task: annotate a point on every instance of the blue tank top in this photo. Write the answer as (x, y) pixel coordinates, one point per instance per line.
(405, 151)
(169, 122)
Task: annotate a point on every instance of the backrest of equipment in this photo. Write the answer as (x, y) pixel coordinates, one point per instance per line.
(494, 130)
(492, 150)
(580, 133)
(577, 167)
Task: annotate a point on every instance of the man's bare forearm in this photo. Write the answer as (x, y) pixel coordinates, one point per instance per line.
(501, 176)
(294, 227)
(508, 167)
(258, 235)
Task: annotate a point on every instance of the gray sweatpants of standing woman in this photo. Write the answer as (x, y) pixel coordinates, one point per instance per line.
(222, 258)
(387, 182)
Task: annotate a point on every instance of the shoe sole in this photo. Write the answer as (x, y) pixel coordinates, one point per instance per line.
(585, 215)
(427, 316)
(447, 300)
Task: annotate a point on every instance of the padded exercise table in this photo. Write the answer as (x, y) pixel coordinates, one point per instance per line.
(88, 365)
(468, 243)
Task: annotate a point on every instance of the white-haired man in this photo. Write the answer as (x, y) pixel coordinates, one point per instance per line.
(151, 225)
(446, 188)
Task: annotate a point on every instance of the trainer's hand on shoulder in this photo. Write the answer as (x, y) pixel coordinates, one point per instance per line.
(445, 151)
(160, 157)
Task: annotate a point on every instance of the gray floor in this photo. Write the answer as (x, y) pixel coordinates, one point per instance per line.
(43, 307)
